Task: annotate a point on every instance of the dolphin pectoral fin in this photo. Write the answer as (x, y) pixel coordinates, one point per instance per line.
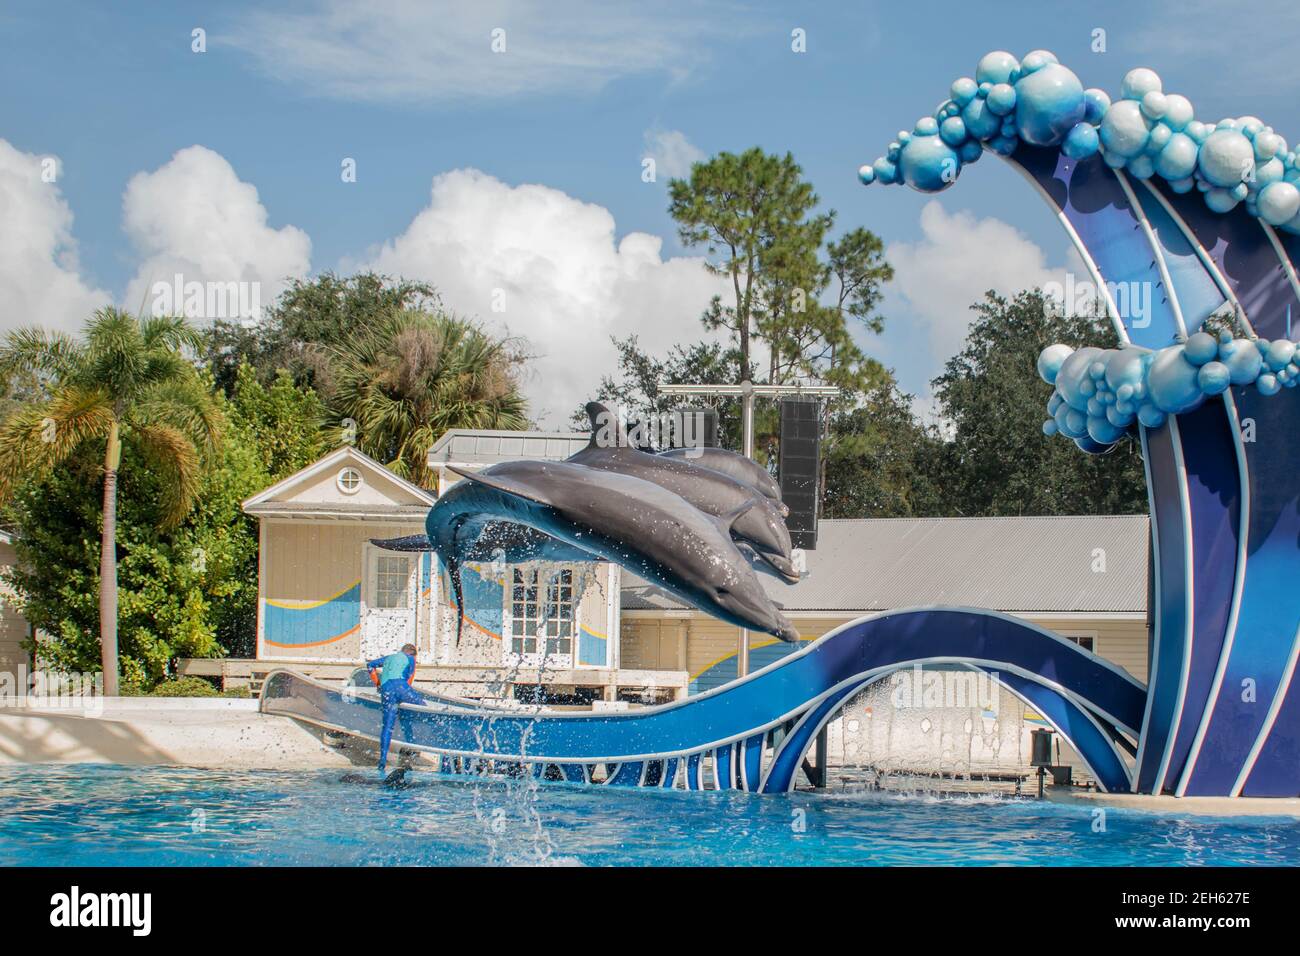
(507, 486)
(453, 571)
(732, 516)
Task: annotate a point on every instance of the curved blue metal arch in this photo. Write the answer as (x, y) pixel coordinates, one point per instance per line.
(1081, 694)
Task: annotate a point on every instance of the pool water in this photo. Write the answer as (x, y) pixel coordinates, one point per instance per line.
(89, 815)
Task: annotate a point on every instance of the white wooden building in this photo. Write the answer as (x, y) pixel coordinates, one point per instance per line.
(330, 599)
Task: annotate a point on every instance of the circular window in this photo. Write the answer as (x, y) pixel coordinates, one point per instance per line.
(349, 480)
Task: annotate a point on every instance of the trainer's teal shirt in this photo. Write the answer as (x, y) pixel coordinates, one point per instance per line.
(397, 666)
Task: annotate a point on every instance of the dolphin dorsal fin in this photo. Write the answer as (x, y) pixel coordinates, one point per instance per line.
(503, 484)
(601, 420)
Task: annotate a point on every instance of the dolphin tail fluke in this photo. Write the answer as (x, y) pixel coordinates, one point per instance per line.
(410, 542)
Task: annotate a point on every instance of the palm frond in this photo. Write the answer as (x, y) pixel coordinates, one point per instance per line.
(185, 404)
(33, 349)
(174, 456)
(115, 353)
(39, 436)
(170, 333)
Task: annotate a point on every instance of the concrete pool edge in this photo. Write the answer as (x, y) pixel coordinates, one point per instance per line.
(1197, 806)
(180, 732)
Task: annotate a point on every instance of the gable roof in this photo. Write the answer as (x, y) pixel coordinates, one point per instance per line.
(1015, 564)
(398, 497)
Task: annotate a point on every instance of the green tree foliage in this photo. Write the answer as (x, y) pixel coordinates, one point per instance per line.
(636, 386)
(125, 381)
(406, 377)
(308, 318)
(185, 590)
(998, 461)
(756, 217)
(882, 462)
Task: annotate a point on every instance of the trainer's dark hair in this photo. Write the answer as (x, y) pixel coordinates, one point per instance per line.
(408, 649)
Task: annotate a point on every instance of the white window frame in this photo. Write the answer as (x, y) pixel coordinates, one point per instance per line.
(1078, 637)
(536, 578)
(345, 471)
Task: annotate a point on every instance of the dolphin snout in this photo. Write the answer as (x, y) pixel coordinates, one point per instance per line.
(786, 631)
(783, 566)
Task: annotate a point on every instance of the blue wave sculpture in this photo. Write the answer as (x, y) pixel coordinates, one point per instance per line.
(1215, 415)
(754, 732)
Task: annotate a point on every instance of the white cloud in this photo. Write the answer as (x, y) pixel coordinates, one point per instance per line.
(672, 152)
(40, 280)
(194, 216)
(958, 259)
(566, 283)
(415, 51)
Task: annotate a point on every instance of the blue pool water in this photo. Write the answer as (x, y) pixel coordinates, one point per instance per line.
(106, 815)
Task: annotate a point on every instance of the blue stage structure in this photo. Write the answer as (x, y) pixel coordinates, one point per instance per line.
(1199, 221)
(1206, 217)
(758, 729)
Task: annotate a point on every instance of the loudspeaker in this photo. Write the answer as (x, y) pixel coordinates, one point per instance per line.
(692, 427)
(798, 470)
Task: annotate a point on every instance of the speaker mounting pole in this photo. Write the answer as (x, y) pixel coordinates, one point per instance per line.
(747, 391)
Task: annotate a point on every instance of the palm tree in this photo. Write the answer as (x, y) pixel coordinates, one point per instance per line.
(125, 377)
(411, 376)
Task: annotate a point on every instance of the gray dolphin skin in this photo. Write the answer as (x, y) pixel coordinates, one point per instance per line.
(711, 491)
(620, 518)
(744, 470)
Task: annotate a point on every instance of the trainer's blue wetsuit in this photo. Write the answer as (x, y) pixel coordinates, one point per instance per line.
(395, 672)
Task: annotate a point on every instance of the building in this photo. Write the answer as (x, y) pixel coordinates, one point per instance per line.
(330, 598)
(1084, 577)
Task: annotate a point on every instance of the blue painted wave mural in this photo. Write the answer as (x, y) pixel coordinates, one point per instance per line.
(303, 624)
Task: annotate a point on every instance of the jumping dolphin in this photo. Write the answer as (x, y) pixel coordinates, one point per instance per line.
(494, 541)
(745, 470)
(713, 492)
(619, 518)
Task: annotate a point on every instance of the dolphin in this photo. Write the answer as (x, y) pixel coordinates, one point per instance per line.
(613, 517)
(745, 470)
(495, 541)
(713, 492)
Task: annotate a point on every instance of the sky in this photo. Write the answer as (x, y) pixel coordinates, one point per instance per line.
(498, 150)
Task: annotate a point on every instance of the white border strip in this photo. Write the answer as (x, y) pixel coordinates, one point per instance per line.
(1189, 582)
(1279, 697)
(1080, 248)
(1234, 612)
(1282, 256)
(1217, 276)
(1156, 251)
(1156, 616)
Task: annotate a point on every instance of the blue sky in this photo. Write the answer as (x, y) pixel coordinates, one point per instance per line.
(581, 94)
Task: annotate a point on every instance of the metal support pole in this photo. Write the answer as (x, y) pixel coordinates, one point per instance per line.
(746, 391)
(822, 776)
(747, 440)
